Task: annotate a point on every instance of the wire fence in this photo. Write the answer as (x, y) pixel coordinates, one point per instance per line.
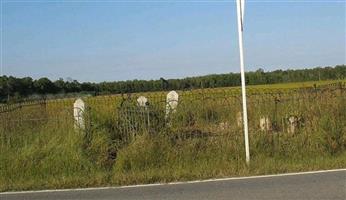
(199, 113)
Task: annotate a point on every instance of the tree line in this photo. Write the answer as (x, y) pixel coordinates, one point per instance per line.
(16, 89)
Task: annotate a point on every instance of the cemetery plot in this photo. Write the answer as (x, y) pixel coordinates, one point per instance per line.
(205, 112)
(125, 138)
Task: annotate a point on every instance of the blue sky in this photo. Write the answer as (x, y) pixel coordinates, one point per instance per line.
(109, 41)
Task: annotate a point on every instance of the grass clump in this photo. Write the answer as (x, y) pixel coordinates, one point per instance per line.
(48, 160)
(158, 159)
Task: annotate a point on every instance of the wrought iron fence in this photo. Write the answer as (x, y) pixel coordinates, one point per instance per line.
(200, 113)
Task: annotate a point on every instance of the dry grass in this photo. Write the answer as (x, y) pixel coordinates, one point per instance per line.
(40, 148)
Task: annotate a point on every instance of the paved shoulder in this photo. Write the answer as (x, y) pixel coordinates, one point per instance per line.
(327, 185)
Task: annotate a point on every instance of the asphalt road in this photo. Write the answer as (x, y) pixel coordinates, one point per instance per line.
(326, 185)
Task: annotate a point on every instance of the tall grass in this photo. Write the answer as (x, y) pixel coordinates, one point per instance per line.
(125, 144)
(51, 157)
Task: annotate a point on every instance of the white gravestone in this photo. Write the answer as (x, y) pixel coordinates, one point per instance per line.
(265, 124)
(224, 126)
(171, 102)
(293, 122)
(78, 112)
(142, 101)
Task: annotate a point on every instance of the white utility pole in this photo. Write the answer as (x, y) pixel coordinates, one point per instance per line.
(240, 17)
(1, 31)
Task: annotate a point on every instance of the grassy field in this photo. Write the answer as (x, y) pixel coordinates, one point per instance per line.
(123, 144)
(297, 84)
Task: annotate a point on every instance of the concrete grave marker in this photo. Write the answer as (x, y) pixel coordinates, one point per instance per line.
(171, 102)
(224, 126)
(142, 101)
(293, 123)
(265, 124)
(78, 112)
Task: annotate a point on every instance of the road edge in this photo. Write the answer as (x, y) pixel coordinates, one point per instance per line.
(172, 183)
